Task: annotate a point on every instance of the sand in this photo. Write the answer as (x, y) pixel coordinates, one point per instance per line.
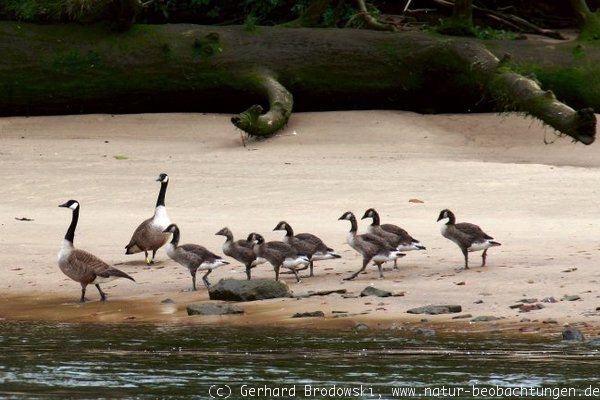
(538, 200)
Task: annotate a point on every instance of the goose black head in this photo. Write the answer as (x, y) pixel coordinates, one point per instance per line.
(281, 226)
(162, 178)
(370, 213)
(171, 229)
(224, 232)
(255, 237)
(445, 214)
(348, 216)
(72, 204)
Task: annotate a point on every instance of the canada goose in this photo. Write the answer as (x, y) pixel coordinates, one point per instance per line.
(192, 256)
(150, 235)
(278, 254)
(308, 244)
(81, 266)
(240, 250)
(370, 246)
(467, 236)
(393, 234)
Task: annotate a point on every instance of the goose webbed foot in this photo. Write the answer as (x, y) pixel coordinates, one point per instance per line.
(483, 257)
(102, 294)
(380, 268)
(82, 299)
(205, 279)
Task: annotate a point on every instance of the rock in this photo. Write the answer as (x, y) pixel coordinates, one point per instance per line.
(360, 327)
(572, 334)
(462, 316)
(528, 301)
(478, 302)
(167, 301)
(349, 296)
(527, 329)
(426, 332)
(213, 309)
(530, 307)
(595, 342)
(571, 297)
(319, 293)
(549, 321)
(398, 294)
(549, 300)
(435, 310)
(417, 201)
(309, 314)
(244, 290)
(460, 283)
(373, 291)
(485, 318)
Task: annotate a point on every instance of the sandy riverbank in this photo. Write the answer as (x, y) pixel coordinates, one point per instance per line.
(496, 171)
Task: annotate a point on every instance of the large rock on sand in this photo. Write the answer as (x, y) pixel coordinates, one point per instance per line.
(244, 290)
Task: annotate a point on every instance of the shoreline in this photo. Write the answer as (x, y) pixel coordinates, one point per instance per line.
(491, 170)
(269, 313)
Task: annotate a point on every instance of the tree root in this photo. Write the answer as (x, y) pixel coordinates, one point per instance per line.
(254, 122)
(370, 21)
(514, 92)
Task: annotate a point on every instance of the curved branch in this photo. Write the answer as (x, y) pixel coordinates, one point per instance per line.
(254, 122)
(371, 21)
(514, 92)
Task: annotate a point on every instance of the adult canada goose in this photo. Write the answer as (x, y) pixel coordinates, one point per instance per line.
(150, 235)
(81, 266)
(468, 237)
(278, 254)
(395, 235)
(308, 244)
(192, 256)
(370, 246)
(240, 250)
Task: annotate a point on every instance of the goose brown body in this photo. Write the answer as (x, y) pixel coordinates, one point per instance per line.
(82, 266)
(468, 237)
(150, 235)
(308, 244)
(241, 250)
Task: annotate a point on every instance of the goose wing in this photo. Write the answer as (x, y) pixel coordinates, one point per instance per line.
(88, 266)
(403, 235)
(376, 241)
(318, 244)
(475, 233)
(201, 252)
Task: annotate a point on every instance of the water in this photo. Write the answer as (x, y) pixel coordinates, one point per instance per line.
(157, 361)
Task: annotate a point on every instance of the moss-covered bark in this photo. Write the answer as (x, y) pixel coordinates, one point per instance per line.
(589, 22)
(461, 22)
(71, 69)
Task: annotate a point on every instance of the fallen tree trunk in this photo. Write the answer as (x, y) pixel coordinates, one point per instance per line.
(73, 69)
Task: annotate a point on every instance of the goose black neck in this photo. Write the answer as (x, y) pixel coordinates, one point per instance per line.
(229, 237)
(175, 238)
(70, 236)
(451, 218)
(353, 224)
(289, 231)
(376, 221)
(161, 195)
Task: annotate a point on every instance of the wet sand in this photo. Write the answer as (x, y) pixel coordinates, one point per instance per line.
(493, 170)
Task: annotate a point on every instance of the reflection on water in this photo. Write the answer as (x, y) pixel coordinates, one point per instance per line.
(149, 361)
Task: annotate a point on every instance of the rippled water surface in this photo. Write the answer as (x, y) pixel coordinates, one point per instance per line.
(157, 361)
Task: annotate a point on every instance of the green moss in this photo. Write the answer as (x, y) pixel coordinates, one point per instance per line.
(578, 86)
(207, 46)
(456, 27)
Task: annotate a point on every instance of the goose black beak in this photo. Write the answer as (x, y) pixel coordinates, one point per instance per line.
(365, 216)
(439, 218)
(63, 205)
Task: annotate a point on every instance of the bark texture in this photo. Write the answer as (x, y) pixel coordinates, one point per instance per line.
(54, 69)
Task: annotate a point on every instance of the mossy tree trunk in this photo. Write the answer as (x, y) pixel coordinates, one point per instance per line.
(461, 22)
(589, 22)
(53, 69)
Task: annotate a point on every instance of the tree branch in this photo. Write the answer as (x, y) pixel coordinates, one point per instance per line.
(253, 121)
(371, 21)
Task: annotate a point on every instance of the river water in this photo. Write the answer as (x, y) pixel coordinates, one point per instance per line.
(157, 361)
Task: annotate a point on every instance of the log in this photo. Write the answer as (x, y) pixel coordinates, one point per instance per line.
(589, 22)
(49, 69)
